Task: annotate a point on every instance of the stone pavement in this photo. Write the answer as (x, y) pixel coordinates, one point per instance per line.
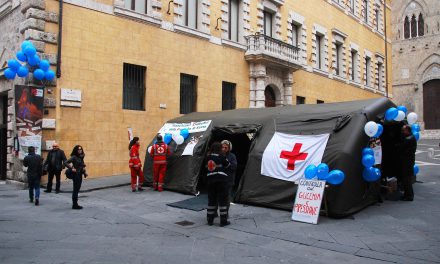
(118, 226)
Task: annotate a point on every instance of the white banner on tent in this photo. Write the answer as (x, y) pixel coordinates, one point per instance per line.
(308, 201)
(192, 127)
(287, 156)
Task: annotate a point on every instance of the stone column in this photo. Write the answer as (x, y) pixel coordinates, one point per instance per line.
(259, 93)
(288, 83)
(252, 87)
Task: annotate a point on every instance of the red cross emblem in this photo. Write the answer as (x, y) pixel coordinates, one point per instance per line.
(160, 150)
(293, 156)
(211, 165)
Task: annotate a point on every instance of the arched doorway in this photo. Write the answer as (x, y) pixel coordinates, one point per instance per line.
(431, 103)
(269, 97)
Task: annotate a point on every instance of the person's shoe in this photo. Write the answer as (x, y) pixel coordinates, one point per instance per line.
(37, 202)
(48, 191)
(57, 191)
(222, 224)
(140, 189)
(210, 221)
(31, 200)
(77, 207)
(133, 190)
(159, 189)
(408, 199)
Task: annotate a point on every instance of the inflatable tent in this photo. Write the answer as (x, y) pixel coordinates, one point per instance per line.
(251, 130)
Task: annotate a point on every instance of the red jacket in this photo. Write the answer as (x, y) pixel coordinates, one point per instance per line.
(159, 152)
(135, 161)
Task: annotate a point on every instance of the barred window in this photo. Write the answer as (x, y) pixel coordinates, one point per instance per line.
(188, 93)
(228, 95)
(133, 87)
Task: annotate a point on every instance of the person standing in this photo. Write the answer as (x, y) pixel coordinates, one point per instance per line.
(135, 165)
(77, 165)
(226, 149)
(159, 152)
(407, 156)
(33, 162)
(54, 165)
(218, 184)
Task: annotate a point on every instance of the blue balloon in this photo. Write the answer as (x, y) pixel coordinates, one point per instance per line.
(184, 133)
(415, 128)
(377, 173)
(25, 44)
(322, 171)
(416, 135)
(44, 65)
(379, 130)
(391, 113)
(335, 177)
(402, 108)
(9, 74)
(49, 75)
(13, 64)
(22, 71)
(21, 56)
(310, 171)
(39, 74)
(33, 60)
(416, 169)
(167, 138)
(367, 151)
(370, 174)
(368, 161)
(30, 51)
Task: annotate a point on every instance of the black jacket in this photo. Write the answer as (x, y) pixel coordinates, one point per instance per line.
(407, 154)
(34, 163)
(217, 166)
(55, 160)
(77, 162)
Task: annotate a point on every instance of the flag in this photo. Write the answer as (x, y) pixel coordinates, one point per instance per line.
(287, 156)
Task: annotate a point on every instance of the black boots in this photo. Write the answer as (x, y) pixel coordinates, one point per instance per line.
(224, 221)
(210, 220)
(37, 202)
(76, 206)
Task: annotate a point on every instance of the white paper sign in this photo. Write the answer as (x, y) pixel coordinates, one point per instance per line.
(192, 127)
(377, 155)
(71, 95)
(48, 123)
(28, 141)
(308, 201)
(189, 149)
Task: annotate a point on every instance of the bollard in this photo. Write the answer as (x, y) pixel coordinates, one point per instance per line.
(431, 153)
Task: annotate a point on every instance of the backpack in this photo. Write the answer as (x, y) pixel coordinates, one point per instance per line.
(69, 173)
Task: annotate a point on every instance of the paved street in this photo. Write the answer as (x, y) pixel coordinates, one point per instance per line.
(118, 226)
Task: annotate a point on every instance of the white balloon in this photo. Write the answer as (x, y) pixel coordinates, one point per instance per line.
(175, 135)
(371, 128)
(179, 139)
(149, 149)
(400, 116)
(412, 118)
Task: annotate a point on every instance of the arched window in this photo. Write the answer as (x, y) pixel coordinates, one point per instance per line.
(406, 28)
(421, 25)
(413, 27)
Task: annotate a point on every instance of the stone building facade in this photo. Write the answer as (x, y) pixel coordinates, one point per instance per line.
(227, 54)
(416, 58)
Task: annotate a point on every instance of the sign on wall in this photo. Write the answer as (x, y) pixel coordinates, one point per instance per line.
(192, 127)
(70, 97)
(28, 117)
(308, 201)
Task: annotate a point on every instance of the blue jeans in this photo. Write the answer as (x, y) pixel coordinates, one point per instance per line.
(34, 183)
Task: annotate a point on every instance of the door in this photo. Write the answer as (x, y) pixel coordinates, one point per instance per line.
(431, 103)
(3, 135)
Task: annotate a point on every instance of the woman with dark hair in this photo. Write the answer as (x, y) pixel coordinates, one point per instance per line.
(77, 165)
(218, 184)
(135, 165)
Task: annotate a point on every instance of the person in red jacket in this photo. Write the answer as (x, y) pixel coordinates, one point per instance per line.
(159, 152)
(135, 165)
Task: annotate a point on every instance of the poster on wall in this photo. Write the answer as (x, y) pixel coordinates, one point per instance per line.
(29, 117)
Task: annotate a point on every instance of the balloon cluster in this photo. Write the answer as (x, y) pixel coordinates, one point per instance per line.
(373, 129)
(178, 136)
(399, 113)
(321, 171)
(370, 174)
(28, 54)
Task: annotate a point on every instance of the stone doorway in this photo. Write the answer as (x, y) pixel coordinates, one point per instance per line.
(269, 97)
(3, 135)
(431, 104)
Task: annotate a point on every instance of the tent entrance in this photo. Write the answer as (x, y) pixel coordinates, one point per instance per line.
(241, 139)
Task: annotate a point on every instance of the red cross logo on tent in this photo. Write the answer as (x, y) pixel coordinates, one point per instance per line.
(211, 165)
(160, 150)
(293, 156)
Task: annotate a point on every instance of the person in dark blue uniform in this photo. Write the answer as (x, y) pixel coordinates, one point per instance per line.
(34, 163)
(218, 184)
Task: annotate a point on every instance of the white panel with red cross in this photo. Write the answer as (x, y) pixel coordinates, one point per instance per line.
(287, 156)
